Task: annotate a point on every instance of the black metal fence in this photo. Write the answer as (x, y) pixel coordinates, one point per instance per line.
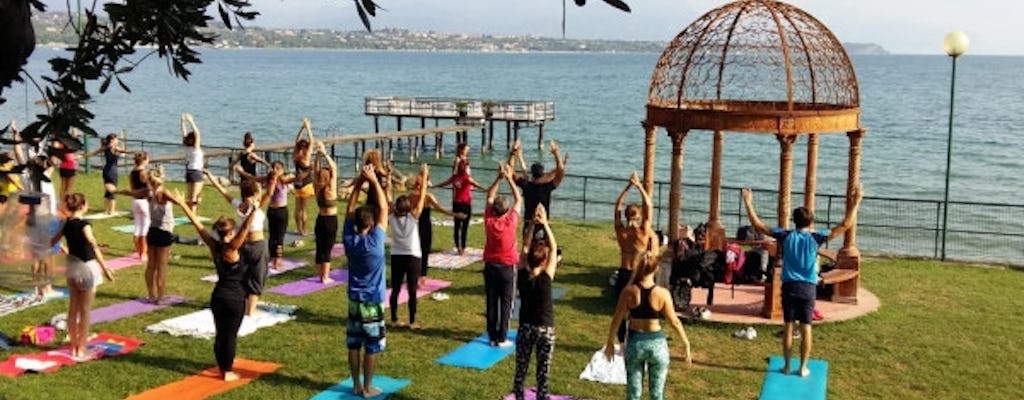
(984, 232)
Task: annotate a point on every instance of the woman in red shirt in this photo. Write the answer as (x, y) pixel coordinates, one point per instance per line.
(462, 184)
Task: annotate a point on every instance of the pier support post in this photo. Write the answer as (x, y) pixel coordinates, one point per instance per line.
(540, 136)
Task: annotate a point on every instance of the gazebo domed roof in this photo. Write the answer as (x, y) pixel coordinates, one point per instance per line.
(760, 57)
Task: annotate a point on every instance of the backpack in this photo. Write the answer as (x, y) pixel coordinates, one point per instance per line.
(747, 232)
(735, 259)
(755, 269)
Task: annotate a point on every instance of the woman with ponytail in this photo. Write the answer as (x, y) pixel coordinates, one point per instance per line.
(85, 271)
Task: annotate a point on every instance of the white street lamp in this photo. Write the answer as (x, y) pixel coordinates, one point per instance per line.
(954, 44)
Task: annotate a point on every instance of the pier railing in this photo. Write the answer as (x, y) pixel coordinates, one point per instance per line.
(446, 107)
(983, 232)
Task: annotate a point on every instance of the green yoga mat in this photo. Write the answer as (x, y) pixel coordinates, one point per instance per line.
(793, 386)
(177, 221)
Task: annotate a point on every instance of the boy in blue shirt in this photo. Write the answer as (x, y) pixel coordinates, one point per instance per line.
(799, 250)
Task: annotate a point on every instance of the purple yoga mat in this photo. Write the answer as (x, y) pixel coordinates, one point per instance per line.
(311, 284)
(287, 264)
(123, 262)
(531, 394)
(430, 286)
(117, 311)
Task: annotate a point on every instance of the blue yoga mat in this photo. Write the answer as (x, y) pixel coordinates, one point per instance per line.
(793, 386)
(343, 390)
(478, 353)
(556, 293)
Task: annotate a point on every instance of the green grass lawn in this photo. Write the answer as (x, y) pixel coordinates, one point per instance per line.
(944, 330)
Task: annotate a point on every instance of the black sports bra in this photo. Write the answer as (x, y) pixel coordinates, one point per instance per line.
(644, 310)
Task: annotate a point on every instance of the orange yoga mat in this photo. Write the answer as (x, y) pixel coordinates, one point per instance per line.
(208, 383)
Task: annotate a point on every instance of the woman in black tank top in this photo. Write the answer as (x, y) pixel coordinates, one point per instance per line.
(227, 302)
(646, 348)
(537, 265)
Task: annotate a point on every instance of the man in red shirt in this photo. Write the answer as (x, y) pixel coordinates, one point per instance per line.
(501, 255)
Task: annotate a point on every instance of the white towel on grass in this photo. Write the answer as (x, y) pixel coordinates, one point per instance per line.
(600, 370)
(200, 325)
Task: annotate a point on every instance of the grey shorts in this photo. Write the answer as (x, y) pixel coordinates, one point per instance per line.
(83, 275)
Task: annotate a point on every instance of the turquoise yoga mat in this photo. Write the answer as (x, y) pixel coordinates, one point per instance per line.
(478, 353)
(556, 293)
(793, 386)
(343, 390)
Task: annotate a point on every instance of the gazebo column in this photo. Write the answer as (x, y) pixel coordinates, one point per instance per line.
(650, 139)
(716, 232)
(676, 193)
(785, 177)
(811, 178)
(849, 255)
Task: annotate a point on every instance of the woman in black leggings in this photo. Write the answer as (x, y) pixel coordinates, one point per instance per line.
(228, 299)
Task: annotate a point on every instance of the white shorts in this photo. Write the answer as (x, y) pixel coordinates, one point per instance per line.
(83, 275)
(140, 211)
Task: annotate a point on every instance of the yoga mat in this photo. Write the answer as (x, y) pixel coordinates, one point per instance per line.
(200, 325)
(103, 345)
(337, 251)
(17, 302)
(104, 215)
(793, 386)
(123, 262)
(343, 390)
(556, 293)
(531, 394)
(428, 287)
(478, 353)
(451, 221)
(601, 370)
(130, 308)
(311, 284)
(208, 383)
(177, 221)
(450, 259)
(287, 264)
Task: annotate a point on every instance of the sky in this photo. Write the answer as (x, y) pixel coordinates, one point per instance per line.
(901, 26)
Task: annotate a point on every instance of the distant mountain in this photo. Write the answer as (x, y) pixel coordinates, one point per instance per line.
(51, 28)
(865, 49)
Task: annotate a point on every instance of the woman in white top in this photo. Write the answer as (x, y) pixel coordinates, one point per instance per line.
(406, 253)
(254, 253)
(193, 161)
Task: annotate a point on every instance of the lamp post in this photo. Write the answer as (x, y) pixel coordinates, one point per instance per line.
(954, 44)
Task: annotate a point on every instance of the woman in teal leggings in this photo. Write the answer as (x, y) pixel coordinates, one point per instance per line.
(645, 303)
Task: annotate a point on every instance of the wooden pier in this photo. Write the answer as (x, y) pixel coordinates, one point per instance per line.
(476, 113)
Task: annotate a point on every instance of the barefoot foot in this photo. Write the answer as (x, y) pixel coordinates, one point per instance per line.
(804, 372)
(326, 280)
(371, 392)
(784, 370)
(230, 376)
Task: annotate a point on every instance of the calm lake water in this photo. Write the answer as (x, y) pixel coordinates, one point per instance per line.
(600, 101)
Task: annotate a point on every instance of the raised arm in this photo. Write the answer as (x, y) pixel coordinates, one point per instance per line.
(492, 191)
(272, 187)
(622, 201)
(353, 196)
(421, 195)
(851, 218)
(216, 184)
(384, 208)
(239, 239)
(542, 219)
(516, 194)
(559, 164)
(646, 200)
(748, 201)
(174, 196)
(187, 118)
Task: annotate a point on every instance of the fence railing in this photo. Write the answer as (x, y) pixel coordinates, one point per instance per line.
(984, 232)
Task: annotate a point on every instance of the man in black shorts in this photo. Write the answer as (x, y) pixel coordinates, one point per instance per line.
(799, 250)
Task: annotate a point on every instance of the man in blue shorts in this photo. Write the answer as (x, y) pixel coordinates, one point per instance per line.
(799, 250)
(363, 236)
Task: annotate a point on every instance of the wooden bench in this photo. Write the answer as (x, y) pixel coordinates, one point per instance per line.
(845, 279)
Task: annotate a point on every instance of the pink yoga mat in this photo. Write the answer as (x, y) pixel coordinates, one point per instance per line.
(311, 284)
(117, 311)
(430, 286)
(287, 264)
(531, 394)
(123, 262)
